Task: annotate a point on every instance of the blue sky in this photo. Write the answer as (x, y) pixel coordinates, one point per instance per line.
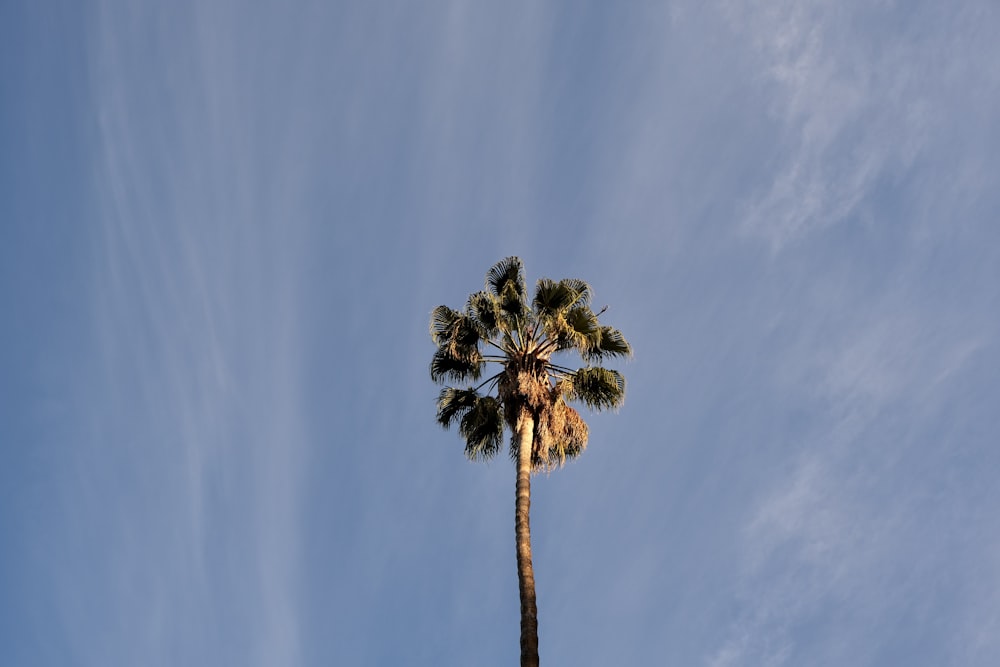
(223, 227)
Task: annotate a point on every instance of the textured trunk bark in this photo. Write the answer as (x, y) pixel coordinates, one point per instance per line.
(522, 530)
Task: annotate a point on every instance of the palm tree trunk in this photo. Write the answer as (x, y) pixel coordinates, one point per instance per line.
(522, 530)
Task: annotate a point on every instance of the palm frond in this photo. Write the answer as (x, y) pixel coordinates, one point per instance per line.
(506, 275)
(505, 281)
(452, 404)
(551, 298)
(610, 343)
(571, 439)
(562, 435)
(449, 325)
(582, 329)
(554, 299)
(442, 320)
(456, 333)
(445, 365)
(484, 309)
(580, 288)
(482, 428)
(598, 388)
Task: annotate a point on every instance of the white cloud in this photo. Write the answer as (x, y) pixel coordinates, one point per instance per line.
(853, 107)
(196, 310)
(847, 528)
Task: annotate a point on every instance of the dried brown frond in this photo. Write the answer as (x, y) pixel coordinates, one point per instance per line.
(561, 435)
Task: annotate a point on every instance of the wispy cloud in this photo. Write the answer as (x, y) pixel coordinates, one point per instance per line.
(803, 473)
(196, 311)
(844, 530)
(855, 107)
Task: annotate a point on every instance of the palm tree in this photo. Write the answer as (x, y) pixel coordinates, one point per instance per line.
(530, 393)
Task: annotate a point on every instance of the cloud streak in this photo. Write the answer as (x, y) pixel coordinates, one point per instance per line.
(788, 207)
(856, 108)
(196, 312)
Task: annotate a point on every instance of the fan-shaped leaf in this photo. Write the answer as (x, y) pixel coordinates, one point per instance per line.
(598, 388)
(582, 329)
(506, 281)
(507, 275)
(485, 313)
(453, 328)
(482, 428)
(554, 299)
(551, 298)
(610, 343)
(452, 404)
(443, 322)
(580, 288)
(445, 365)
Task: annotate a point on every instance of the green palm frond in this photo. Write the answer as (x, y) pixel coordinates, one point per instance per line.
(582, 329)
(455, 333)
(484, 309)
(505, 281)
(553, 299)
(507, 275)
(610, 343)
(598, 388)
(443, 322)
(580, 288)
(445, 365)
(452, 404)
(482, 428)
